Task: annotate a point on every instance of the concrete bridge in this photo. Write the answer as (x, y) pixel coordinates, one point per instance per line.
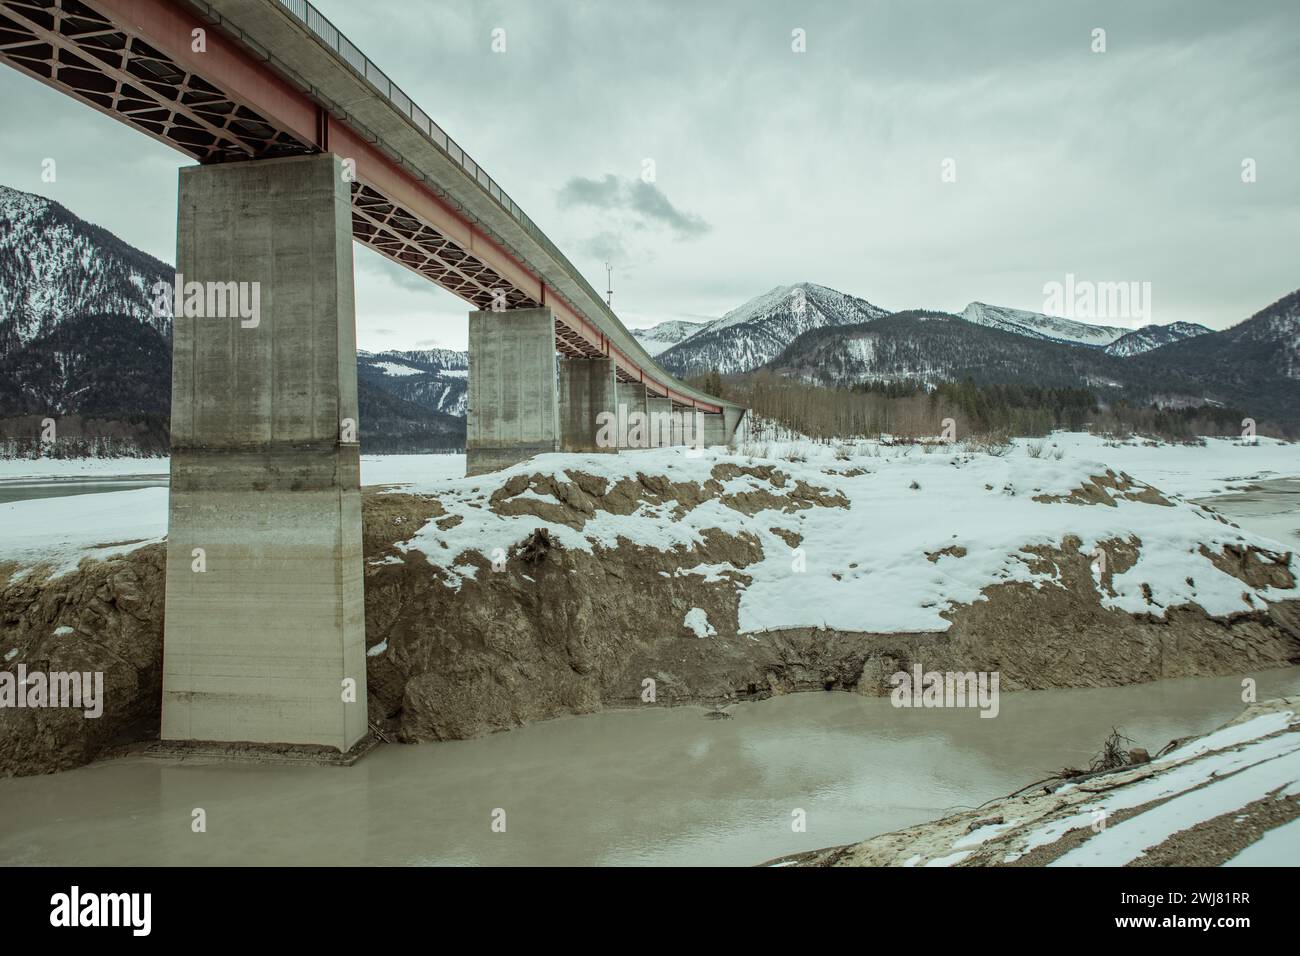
(304, 145)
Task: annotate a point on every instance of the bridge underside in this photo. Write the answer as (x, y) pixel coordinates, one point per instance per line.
(90, 53)
(264, 634)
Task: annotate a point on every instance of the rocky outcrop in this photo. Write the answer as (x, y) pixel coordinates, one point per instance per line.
(105, 617)
(555, 631)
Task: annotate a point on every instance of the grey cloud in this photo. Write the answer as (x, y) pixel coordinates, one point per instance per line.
(606, 246)
(636, 196)
(820, 164)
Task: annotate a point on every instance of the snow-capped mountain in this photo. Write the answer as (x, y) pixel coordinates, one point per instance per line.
(1253, 366)
(931, 347)
(1041, 326)
(756, 332)
(55, 266)
(1259, 357)
(450, 362)
(436, 379)
(665, 335)
(1153, 337)
(79, 342)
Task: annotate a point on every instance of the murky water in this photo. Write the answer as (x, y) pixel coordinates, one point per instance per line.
(1272, 508)
(27, 489)
(649, 787)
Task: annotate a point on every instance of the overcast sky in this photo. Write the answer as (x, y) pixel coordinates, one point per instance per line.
(772, 166)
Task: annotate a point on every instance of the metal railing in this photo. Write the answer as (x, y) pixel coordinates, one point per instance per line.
(329, 34)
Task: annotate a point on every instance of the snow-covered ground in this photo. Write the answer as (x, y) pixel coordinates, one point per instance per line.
(869, 567)
(1191, 471)
(59, 532)
(12, 469)
(424, 471)
(865, 567)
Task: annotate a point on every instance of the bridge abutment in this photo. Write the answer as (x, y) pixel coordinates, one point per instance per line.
(264, 638)
(513, 409)
(732, 417)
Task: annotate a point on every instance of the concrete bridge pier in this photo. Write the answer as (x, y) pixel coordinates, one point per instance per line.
(513, 411)
(732, 416)
(587, 388)
(677, 429)
(660, 410)
(715, 429)
(264, 639)
(633, 433)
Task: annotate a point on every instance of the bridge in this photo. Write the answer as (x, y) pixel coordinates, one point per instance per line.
(303, 146)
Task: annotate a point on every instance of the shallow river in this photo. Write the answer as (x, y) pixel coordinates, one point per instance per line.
(661, 786)
(1271, 507)
(27, 489)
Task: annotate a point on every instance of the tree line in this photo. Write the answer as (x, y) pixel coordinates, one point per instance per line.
(913, 410)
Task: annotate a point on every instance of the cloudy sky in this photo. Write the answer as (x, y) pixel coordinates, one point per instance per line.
(694, 149)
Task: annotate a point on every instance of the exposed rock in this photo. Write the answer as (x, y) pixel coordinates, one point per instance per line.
(1104, 489)
(106, 617)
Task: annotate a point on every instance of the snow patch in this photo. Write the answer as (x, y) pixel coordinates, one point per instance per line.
(698, 622)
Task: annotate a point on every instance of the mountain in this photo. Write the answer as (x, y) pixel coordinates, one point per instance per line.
(435, 379)
(1153, 337)
(665, 335)
(80, 343)
(54, 266)
(928, 346)
(756, 332)
(1253, 366)
(1037, 325)
(79, 340)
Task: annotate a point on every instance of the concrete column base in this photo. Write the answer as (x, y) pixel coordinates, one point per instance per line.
(265, 599)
